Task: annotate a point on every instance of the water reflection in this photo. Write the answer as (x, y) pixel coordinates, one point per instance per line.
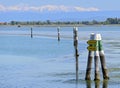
(105, 84)
(97, 84)
(88, 84)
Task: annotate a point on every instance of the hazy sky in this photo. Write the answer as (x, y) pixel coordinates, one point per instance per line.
(81, 5)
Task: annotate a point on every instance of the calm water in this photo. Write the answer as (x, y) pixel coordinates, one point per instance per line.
(43, 62)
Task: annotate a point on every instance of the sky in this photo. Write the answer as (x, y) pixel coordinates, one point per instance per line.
(63, 5)
(40, 9)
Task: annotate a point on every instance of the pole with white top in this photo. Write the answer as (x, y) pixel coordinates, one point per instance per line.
(75, 38)
(89, 63)
(102, 59)
(96, 57)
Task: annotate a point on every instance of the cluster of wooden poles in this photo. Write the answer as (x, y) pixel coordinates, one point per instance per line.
(95, 49)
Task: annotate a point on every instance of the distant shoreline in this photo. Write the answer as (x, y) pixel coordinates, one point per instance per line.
(49, 23)
(63, 25)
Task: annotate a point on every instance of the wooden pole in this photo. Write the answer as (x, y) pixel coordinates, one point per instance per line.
(96, 62)
(96, 58)
(89, 63)
(58, 29)
(89, 66)
(102, 59)
(75, 31)
(31, 33)
(104, 68)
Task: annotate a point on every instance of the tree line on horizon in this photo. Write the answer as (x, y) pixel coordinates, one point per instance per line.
(48, 22)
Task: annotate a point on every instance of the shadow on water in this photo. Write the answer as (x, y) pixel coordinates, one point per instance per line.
(97, 84)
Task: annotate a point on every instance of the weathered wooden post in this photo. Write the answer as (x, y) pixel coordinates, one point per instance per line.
(75, 32)
(31, 33)
(102, 59)
(89, 63)
(95, 46)
(96, 57)
(58, 30)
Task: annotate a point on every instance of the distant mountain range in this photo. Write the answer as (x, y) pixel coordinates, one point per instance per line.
(57, 16)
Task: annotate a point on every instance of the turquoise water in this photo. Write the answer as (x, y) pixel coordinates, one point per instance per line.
(43, 62)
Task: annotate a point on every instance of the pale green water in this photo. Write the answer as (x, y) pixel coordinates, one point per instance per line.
(43, 62)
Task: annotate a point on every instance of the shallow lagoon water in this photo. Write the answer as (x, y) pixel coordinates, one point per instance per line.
(43, 62)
